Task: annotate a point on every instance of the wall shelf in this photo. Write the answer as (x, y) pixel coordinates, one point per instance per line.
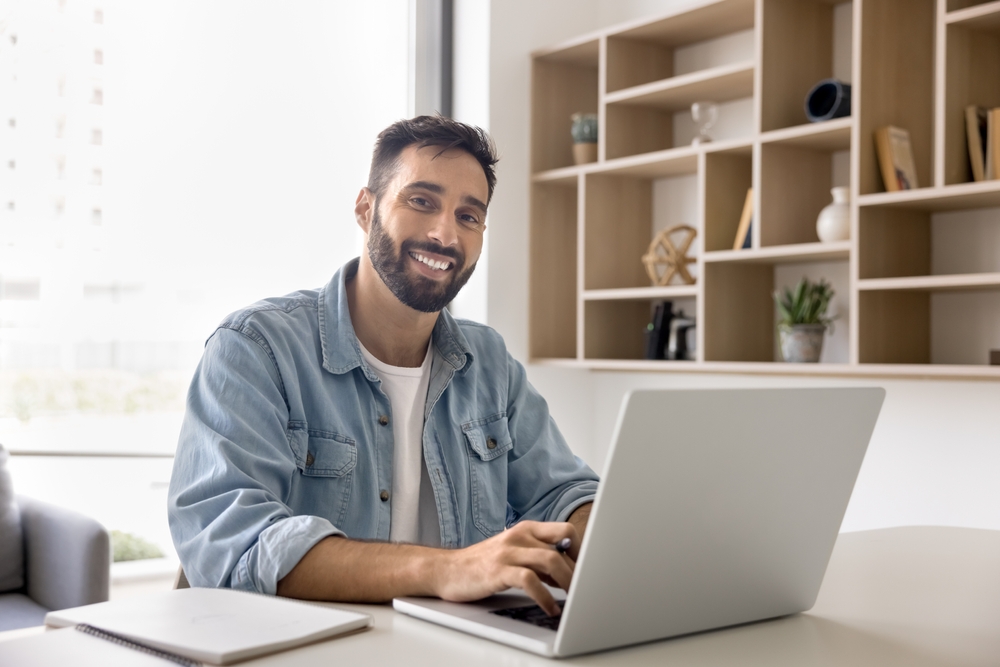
(914, 296)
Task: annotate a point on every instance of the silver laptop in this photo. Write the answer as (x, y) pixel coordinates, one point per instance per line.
(717, 507)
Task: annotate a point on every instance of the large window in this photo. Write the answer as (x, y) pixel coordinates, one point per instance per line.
(162, 165)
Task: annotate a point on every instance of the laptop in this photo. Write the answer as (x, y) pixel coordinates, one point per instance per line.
(717, 508)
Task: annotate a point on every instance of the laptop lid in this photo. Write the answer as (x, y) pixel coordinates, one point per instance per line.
(717, 507)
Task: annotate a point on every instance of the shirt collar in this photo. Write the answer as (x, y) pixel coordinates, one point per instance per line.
(341, 348)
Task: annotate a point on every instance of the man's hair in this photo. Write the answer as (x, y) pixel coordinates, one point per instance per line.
(424, 131)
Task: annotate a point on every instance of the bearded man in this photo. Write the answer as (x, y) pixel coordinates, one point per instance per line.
(357, 443)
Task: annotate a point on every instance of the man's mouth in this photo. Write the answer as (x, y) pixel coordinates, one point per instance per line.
(432, 263)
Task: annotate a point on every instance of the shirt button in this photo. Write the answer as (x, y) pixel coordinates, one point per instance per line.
(491, 443)
(384, 495)
(383, 420)
(310, 459)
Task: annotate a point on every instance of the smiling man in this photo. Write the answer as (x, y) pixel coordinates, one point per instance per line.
(356, 442)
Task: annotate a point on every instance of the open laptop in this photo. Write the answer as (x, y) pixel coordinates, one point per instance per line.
(717, 507)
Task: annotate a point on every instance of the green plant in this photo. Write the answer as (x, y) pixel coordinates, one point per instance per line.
(806, 303)
(584, 129)
(126, 546)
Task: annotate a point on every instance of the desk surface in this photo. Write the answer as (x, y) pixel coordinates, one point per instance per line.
(919, 597)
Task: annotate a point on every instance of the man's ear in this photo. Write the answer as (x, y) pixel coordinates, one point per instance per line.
(364, 209)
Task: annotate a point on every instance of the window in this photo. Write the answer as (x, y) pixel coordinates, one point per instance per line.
(211, 197)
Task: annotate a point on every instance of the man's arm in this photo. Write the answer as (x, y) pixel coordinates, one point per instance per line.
(523, 557)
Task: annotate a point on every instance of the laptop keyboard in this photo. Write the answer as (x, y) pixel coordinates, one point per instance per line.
(532, 614)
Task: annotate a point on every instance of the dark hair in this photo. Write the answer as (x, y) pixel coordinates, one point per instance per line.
(424, 131)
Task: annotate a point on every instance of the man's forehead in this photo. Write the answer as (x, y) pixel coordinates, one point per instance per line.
(449, 171)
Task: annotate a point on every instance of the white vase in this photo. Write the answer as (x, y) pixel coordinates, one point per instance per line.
(834, 221)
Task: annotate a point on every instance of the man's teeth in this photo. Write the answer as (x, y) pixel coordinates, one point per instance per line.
(440, 266)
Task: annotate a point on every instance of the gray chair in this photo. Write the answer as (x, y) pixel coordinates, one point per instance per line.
(50, 558)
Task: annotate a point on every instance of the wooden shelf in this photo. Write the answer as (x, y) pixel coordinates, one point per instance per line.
(719, 84)
(979, 17)
(963, 196)
(642, 293)
(788, 254)
(915, 65)
(831, 135)
(911, 371)
(954, 283)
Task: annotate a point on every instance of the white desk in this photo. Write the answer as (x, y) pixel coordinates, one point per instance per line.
(914, 597)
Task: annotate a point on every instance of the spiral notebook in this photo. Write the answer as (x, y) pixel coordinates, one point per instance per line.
(217, 626)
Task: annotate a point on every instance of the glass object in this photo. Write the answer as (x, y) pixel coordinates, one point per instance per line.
(704, 115)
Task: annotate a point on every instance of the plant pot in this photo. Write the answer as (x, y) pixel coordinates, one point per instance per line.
(802, 343)
(584, 153)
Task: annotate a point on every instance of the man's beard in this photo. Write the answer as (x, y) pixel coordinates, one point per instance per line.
(417, 291)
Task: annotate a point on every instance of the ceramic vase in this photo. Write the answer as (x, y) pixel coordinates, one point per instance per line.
(834, 221)
(801, 343)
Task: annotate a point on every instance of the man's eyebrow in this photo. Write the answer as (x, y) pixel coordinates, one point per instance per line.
(438, 189)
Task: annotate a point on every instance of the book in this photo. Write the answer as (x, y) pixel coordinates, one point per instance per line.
(895, 159)
(218, 626)
(742, 239)
(993, 144)
(975, 131)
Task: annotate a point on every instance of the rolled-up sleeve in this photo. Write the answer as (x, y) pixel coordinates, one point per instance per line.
(546, 481)
(232, 471)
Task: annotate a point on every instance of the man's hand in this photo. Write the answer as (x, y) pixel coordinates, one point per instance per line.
(524, 556)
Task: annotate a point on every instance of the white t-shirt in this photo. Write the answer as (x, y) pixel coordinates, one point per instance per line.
(414, 518)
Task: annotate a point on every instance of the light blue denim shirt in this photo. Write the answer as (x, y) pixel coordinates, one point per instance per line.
(287, 439)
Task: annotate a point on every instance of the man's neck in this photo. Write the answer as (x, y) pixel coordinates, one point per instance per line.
(395, 334)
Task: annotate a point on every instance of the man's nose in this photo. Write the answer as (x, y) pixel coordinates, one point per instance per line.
(444, 229)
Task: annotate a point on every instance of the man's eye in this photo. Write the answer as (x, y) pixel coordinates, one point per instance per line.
(420, 201)
(470, 219)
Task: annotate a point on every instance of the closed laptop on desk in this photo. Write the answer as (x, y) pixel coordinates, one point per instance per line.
(717, 507)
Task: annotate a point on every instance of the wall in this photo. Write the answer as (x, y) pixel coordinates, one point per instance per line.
(935, 454)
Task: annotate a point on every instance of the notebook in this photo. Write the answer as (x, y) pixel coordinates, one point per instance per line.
(218, 626)
(717, 507)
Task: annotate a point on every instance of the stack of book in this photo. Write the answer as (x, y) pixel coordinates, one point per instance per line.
(982, 128)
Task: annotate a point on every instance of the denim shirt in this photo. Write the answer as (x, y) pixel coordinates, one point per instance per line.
(287, 439)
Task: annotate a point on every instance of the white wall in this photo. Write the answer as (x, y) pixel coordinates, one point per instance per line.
(935, 454)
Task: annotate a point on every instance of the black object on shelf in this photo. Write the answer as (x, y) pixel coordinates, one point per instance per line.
(658, 331)
(994, 357)
(830, 98)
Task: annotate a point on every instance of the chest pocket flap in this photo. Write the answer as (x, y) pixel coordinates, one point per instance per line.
(322, 453)
(489, 437)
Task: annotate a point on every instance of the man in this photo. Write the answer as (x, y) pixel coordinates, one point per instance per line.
(357, 443)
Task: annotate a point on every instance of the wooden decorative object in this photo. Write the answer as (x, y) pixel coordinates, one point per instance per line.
(673, 258)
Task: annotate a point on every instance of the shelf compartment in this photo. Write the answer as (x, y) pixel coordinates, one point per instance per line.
(645, 53)
(641, 119)
(553, 267)
(618, 230)
(642, 293)
(739, 312)
(831, 135)
(615, 329)
(983, 16)
(964, 282)
(795, 185)
(797, 51)
(897, 83)
(563, 82)
(728, 176)
(972, 73)
(787, 254)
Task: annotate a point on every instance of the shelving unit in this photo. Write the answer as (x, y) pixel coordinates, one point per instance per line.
(918, 294)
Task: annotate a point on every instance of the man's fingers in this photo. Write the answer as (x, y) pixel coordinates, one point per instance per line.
(529, 582)
(549, 562)
(549, 532)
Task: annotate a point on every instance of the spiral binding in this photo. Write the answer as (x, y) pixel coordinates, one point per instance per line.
(132, 644)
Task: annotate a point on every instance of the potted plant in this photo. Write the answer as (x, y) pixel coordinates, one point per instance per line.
(802, 319)
(584, 131)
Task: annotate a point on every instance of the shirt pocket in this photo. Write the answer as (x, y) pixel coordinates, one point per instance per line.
(326, 462)
(489, 442)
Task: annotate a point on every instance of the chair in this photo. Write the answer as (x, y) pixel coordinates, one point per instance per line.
(50, 558)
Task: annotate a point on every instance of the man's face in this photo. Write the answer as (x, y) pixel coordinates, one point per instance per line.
(427, 228)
